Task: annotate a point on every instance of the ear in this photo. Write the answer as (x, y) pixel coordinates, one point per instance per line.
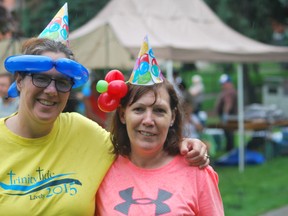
(122, 115)
(18, 80)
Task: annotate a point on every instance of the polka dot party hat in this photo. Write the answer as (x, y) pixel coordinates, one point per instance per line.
(146, 70)
(58, 28)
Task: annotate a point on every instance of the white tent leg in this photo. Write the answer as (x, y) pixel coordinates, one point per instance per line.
(240, 118)
(169, 70)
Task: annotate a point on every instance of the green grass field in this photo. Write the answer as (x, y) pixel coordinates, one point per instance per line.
(256, 190)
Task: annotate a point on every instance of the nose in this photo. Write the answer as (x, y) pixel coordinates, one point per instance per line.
(51, 88)
(148, 118)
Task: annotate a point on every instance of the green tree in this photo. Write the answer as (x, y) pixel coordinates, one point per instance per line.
(251, 18)
(37, 14)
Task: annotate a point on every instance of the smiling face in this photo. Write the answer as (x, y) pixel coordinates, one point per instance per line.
(148, 122)
(42, 105)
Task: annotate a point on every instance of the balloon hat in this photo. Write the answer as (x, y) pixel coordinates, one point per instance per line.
(56, 30)
(146, 72)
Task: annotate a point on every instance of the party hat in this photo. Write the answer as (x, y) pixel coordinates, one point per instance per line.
(146, 70)
(58, 28)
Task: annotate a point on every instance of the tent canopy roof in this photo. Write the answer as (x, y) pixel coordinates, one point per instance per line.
(182, 30)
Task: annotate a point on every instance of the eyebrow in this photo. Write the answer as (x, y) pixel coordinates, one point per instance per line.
(57, 76)
(162, 105)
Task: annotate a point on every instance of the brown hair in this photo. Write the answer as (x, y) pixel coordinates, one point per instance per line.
(36, 46)
(119, 135)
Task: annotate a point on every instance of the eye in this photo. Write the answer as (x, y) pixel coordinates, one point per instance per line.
(41, 78)
(159, 110)
(64, 82)
(138, 109)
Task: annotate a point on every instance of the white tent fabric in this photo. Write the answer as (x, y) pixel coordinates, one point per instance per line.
(182, 30)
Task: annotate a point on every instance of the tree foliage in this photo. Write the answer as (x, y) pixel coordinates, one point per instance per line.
(251, 18)
(35, 15)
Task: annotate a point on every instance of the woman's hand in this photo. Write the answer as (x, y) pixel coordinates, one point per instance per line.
(195, 152)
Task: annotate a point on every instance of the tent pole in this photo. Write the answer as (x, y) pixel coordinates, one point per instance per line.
(240, 117)
(107, 59)
(169, 70)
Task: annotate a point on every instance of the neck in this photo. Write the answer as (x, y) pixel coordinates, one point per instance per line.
(151, 161)
(27, 129)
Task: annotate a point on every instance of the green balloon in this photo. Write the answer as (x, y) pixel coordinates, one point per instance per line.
(102, 86)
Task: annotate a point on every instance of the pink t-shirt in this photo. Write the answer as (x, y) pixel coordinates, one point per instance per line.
(174, 189)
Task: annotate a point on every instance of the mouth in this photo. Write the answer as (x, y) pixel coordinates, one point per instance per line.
(46, 103)
(145, 133)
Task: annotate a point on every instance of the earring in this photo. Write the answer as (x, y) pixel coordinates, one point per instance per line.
(171, 124)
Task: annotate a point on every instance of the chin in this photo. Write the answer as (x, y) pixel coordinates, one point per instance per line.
(48, 117)
(148, 145)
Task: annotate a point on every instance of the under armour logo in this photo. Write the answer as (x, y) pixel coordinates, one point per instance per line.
(161, 208)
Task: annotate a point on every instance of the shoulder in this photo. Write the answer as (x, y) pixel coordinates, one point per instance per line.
(196, 171)
(79, 121)
(75, 124)
(73, 117)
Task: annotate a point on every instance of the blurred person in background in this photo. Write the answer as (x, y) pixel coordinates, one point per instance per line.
(226, 105)
(7, 105)
(192, 124)
(196, 90)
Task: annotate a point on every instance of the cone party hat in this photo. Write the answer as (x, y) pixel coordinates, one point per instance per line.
(146, 70)
(58, 28)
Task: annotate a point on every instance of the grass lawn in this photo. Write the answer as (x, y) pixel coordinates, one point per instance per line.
(258, 189)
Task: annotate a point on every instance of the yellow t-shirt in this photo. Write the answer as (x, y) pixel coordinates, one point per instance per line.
(57, 174)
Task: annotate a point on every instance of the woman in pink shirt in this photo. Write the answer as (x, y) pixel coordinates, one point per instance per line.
(149, 176)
